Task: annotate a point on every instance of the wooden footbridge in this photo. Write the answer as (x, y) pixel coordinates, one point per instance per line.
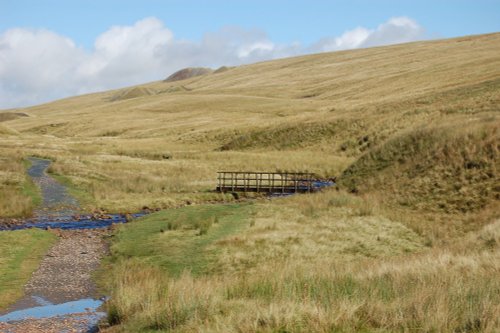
(268, 182)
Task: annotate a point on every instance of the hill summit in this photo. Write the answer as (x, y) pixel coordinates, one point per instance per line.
(188, 73)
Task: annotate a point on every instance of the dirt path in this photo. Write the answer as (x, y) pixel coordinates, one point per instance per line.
(56, 198)
(65, 273)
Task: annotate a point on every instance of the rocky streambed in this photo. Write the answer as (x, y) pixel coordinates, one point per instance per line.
(61, 295)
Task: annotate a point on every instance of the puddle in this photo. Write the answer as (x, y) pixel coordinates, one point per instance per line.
(85, 309)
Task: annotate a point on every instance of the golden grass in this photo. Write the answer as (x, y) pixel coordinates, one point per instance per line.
(330, 268)
(441, 180)
(317, 113)
(314, 230)
(18, 195)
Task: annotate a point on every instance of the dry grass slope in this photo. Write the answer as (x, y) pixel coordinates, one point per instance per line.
(318, 112)
(441, 168)
(412, 129)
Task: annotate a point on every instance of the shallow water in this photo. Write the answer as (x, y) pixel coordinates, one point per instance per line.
(85, 308)
(72, 222)
(59, 211)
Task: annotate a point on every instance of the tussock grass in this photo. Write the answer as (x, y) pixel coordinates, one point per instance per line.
(439, 169)
(310, 230)
(7, 131)
(18, 194)
(276, 275)
(170, 303)
(293, 136)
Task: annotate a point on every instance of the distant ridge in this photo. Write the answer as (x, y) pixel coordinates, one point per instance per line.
(187, 73)
(6, 116)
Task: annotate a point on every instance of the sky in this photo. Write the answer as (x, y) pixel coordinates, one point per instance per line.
(57, 48)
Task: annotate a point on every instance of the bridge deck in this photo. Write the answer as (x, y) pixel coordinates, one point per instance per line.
(267, 182)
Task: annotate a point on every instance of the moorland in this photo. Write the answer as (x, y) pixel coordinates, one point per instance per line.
(408, 240)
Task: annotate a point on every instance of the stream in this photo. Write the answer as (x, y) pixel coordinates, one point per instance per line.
(60, 295)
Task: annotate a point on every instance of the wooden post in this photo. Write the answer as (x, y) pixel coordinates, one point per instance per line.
(309, 183)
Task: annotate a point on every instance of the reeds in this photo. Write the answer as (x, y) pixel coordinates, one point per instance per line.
(442, 293)
(18, 195)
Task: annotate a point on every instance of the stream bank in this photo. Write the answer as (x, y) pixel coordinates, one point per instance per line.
(61, 295)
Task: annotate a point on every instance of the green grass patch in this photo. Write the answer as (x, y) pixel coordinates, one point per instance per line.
(30, 189)
(20, 254)
(179, 239)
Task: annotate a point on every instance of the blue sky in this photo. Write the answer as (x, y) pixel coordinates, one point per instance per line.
(93, 45)
(284, 21)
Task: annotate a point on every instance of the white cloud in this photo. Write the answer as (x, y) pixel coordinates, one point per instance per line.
(349, 40)
(396, 30)
(34, 66)
(247, 51)
(40, 65)
(124, 56)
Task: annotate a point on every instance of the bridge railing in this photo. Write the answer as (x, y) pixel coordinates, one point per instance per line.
(269, 182)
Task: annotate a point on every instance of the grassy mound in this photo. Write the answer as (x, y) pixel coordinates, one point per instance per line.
(294, 136)
(448, 169)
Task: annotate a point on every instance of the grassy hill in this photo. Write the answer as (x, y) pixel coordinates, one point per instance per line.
(287, 114)
(411, 131)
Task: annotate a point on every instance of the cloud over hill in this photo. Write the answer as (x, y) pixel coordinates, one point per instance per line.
(38, 65)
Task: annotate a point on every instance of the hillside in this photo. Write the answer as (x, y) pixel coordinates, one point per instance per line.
(408, 240)
(328, 109)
